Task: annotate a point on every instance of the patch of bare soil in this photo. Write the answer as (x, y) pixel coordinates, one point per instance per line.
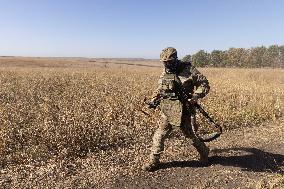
(249, 158)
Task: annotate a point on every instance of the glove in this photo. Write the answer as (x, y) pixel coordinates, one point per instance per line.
(193, 99)
(151, 104)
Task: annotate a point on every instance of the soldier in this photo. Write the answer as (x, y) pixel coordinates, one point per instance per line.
(173, 112)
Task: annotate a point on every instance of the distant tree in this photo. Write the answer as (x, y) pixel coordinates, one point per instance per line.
(225, 59)
(201, 58)
(273, 56)
(244, 59)
(216, 58)
(256, 57)
(187, 58)
(281, 50)
(236, 57)
(275, 52)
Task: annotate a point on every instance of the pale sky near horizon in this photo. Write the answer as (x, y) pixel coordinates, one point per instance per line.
(136, 29)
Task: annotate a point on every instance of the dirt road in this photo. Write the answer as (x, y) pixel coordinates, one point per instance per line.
(249, 158)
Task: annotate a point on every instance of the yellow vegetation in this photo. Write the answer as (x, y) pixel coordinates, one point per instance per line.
(63, 113)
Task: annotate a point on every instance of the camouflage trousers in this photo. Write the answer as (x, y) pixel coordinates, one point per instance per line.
(165, 129)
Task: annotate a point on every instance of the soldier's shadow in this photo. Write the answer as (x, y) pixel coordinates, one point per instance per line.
(249, 159)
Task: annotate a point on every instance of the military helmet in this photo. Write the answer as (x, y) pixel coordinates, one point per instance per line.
(168, 54)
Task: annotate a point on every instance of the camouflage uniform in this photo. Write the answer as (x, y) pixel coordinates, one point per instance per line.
(174, 114)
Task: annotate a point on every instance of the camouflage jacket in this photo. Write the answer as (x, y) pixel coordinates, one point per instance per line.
(192, 80)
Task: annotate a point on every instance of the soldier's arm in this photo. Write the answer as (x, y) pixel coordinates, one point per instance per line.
(200, 82)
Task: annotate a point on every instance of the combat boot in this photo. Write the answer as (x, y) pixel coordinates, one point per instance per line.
(204, 156)
(153, 164)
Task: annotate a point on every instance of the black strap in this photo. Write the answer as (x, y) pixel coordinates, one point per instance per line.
(183, 97)
(211, 136)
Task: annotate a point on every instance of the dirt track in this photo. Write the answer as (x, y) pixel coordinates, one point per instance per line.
(250, 158)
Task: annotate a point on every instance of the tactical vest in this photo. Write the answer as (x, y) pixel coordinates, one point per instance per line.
(170, 104)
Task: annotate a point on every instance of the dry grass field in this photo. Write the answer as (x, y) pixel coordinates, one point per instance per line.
(77, 123)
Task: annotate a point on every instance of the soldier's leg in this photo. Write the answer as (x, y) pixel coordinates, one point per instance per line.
(158, 143)
(188, 127)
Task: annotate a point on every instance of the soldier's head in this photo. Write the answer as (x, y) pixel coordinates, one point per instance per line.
(169, 58)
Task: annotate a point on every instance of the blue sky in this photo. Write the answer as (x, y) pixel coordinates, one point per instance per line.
(141, 28)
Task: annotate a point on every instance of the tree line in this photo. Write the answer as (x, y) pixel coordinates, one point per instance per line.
(256, 57)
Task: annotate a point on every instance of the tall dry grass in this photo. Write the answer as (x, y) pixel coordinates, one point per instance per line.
(65, 113)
